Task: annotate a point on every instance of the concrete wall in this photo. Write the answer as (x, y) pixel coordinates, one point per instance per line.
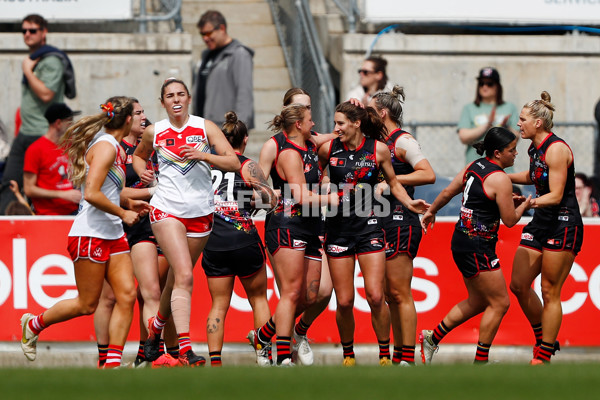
(105, 65)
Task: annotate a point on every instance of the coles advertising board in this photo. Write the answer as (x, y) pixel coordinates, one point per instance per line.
(36, 272)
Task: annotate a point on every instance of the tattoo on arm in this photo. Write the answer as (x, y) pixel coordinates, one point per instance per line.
(262, 186)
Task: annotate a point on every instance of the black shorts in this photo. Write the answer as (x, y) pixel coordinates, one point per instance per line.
(337, 246)
(402, 239)
(290, 239)
(141, 232)
(242, 262)
(558, 238)
(470, 264)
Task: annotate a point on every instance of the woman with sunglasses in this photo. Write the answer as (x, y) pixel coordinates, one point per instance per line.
(372, 79)
(487, 110)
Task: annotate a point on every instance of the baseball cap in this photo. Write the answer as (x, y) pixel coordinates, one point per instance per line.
(59, 111)
(489, 73)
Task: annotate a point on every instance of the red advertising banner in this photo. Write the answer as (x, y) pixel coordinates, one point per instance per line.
(36, 272)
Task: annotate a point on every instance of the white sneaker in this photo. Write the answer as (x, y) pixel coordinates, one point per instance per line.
(303, 350)
(287, 363)
(428, 349)
(262, 349)
(29, 339)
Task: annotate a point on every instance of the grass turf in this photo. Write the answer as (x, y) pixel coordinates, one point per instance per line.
(458, 381)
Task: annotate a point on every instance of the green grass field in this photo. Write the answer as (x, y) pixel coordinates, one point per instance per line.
(459, 381)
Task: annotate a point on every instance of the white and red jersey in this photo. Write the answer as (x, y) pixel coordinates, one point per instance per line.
(184, 186)
(91, 221)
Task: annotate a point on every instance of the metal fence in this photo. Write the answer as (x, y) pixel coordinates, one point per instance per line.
(304, 57)
(445, 152)
(168, 10)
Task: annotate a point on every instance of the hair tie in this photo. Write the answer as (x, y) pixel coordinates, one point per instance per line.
(108, 109)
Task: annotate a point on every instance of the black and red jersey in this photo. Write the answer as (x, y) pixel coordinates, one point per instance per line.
(399, 215)
(288, 213)
(233, 226)
(354, 174)
(568, 210)
(477, 227)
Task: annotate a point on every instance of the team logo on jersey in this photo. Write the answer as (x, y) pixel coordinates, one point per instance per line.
(377, 242)
(527, 236)
(296, 243)
(97, 252)
(335, 249)
(307, 168)
(337, 162)
(351, 156)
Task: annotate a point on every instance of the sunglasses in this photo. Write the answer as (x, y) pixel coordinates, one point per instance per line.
(487, 83)
(33, 31)
(365, 72)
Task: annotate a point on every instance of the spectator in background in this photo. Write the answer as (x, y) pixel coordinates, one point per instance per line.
(47, 77)
(45, 178)
(224, 79)
(20, 206)
(596, 178)
(4, 146)
(489, 109)
(373, 79)
(588, 206)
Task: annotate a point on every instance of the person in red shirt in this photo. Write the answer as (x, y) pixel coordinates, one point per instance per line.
(45, 179)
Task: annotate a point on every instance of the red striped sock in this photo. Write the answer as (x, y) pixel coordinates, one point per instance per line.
(348, 348)
(397, 356)
(537, 332)
(215, 359)
(301, 328)
(102, 353)
(283, 348)
(140, 353)
(37, 324)
(114, 355)
(483, 351)
(185, 343)
(439, 332)
(384, 348)
(267, 331)
(173, 351)
(408, 354)
(545, 352)
(159, 323)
